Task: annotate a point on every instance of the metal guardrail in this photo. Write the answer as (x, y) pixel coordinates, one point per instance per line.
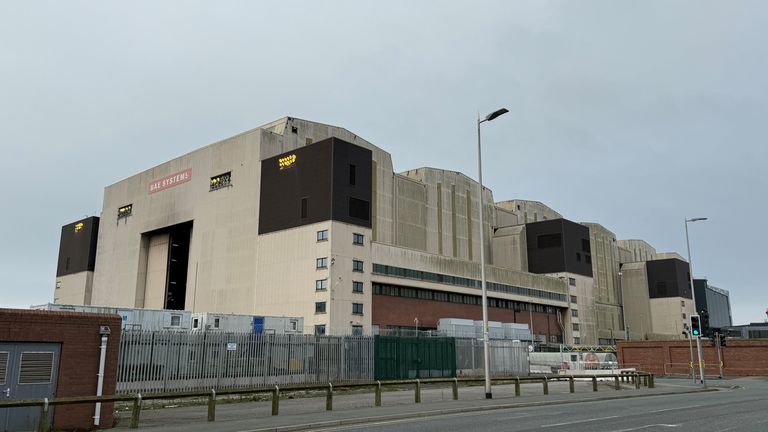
(137, 399)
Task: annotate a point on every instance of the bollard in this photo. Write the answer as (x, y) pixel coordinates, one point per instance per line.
(417, 395)
(455, 386)
(617, 384)
(637, 382)
(517, 386)
(136, 412)
(377, 398)
(651, 381)
(645, 380)
(42, 423)
(545, 386)
(329, 398)
(571, 384)
(212, 406)
(276, 401)
(594, 383)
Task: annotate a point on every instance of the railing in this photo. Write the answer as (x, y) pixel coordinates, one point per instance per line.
(637, 378)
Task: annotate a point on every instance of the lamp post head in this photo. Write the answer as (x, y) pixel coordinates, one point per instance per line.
(696, 219)
(496, 113)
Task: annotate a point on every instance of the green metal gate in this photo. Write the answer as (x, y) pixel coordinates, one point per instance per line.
(409, 358)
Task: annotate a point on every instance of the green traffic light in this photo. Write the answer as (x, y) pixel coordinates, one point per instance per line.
(695, 332)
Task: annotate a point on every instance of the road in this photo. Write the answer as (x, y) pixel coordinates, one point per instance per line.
(737, 405)
(741, 409)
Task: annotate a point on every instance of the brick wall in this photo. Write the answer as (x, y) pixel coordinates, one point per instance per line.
(748, 357)
(78, 334)
(401, 311)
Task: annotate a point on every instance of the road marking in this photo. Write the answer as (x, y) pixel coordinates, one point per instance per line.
(678, 408)
(578, 421)
(647, 426)
(399, 421)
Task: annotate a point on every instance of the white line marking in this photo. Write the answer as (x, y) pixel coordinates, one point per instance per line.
(646, 426)
(678, 408)
(578, 421)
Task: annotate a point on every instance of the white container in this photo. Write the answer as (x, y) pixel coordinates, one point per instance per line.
(457, 327)
(133, 318)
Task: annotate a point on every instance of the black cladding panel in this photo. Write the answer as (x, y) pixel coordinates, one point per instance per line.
(558, 245)
(77, 247)
(330, 179)
(668, 278)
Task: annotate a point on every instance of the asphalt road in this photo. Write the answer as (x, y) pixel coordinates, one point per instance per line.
(738, 405)
(739, 409)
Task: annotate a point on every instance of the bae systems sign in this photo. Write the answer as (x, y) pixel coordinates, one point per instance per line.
(170, 181)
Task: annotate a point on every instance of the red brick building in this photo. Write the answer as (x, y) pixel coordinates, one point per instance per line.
(73, 341)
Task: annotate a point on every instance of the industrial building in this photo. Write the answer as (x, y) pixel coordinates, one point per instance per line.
(301, 219)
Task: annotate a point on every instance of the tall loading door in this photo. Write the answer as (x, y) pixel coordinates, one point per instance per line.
(27, 371)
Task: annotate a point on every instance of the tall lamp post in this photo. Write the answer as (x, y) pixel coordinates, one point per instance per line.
(486, 350)
(693, 295)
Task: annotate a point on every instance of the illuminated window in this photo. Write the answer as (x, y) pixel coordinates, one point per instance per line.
(321, 284)
(287, 161)
(221, 181)
(124, 211)
(357, 265)
(357, 287)
(319, 307)
(357, 308)
(358, 239)
(321, 263)
(322, 235)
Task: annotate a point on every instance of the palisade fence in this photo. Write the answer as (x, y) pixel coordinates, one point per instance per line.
(507, 357)
(157, 361)
(178, 361)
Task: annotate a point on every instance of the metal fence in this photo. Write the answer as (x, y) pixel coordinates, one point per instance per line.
(507, 357)
(178, 361)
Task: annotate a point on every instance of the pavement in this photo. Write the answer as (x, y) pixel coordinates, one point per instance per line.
(607, 409)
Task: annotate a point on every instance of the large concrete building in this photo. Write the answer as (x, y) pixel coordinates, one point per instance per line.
(297, 218)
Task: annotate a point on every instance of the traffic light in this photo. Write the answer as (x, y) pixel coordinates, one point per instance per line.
(704, 319)
(722, 339)
(695, 326)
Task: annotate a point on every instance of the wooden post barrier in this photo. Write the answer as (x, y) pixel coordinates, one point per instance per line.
(377, 397)
(594, 383)
(329, 398)
(276, 401)
(136, 413)
(455, 386)
(637, 382)
(617, 383)
(212, 406)
(651, 381)
(417, 395)
(545, 385)
(571, 384)
(517, 386)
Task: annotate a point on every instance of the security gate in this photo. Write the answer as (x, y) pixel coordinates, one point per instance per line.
(27, 371)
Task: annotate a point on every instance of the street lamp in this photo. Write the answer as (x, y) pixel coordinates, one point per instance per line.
(486, 353)
(693, 296)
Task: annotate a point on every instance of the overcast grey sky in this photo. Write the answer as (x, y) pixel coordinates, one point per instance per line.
(632, 114)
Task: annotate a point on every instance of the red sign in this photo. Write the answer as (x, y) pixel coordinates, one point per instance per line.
(169, 181)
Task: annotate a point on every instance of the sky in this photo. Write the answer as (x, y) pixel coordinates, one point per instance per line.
(631, 114)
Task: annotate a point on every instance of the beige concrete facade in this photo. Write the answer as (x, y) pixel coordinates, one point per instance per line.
(607, 290)
(74, 288)
(640, 250)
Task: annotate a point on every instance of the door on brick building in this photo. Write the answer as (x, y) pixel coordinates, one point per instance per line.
(27, 371)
